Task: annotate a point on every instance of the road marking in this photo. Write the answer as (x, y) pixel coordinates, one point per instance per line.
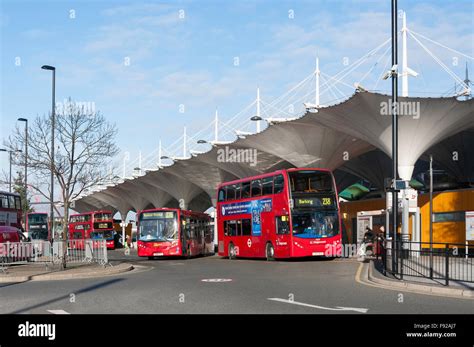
(337, 308)
(58, 312)
(217, 280)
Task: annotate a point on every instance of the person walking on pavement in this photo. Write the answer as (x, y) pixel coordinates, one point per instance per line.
(127, 245)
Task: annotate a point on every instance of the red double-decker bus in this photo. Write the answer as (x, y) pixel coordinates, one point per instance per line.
(37, 227)
(96, 225)
(173, 232)
(10, 210)
(284, 214)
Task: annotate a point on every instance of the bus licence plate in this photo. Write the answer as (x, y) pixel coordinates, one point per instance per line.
(318, 253)
(158, 254)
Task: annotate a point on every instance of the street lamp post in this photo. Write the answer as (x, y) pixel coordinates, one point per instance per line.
(4, 150)
(10, 158)
(394, 132)
(53, 116)
(26, 158)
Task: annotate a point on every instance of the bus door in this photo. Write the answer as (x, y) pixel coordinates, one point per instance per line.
(282, 245)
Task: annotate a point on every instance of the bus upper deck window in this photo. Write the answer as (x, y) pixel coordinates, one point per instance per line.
(278, 184)
(221, 196)
(256, 187)
(245, 189)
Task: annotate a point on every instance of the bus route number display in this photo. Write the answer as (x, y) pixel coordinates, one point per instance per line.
(152, 215)
(314, 202)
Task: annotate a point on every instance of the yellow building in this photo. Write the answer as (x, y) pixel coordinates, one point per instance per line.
(449, 209)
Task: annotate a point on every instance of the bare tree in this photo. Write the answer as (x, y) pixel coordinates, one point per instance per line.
(85, 145)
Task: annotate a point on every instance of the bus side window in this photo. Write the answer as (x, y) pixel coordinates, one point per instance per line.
(245, 190)
(256, 188)
(226, 228)
(11, 201)
(17, 203)
(239, 228)
(188, 229)
(232, 225)
(267, 183)
(278, 184)
(246, 227)
(282, 225)
(3, 201)
(237, 190)
(221, 196)
(230, 192)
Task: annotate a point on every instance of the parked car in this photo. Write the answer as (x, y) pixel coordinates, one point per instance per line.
(11, 234)
(11, 248)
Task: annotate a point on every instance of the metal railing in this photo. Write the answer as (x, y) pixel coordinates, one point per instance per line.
(443, 261)
(55, 253)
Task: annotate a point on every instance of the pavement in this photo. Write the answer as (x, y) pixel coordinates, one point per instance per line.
(43, 272)
(215, 285)
(369, 274)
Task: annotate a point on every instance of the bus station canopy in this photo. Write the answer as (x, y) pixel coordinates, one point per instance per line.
(352, 138)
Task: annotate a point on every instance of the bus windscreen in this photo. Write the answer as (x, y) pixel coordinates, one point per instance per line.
(315, 224)
(158, 226)
(38, 226)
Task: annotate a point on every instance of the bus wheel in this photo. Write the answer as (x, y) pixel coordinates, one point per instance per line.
(232, 254)
(270, 252)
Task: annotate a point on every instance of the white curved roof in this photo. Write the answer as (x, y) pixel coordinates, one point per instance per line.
(334, 137)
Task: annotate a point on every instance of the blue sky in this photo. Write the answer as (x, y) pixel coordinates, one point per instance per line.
(190, 60)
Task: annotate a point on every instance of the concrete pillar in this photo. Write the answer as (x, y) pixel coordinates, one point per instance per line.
(405, 222)
(123, 216)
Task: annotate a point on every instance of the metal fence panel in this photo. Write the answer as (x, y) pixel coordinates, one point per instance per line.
(444, 262)
(45, 252)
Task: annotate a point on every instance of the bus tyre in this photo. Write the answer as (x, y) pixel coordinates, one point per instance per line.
(232, 254)
(270, 252)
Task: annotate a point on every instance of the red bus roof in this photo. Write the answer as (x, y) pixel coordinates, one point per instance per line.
(88, 213)
(186, 212)
(268, 174)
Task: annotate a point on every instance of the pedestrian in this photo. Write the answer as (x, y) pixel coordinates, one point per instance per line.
(127, 245)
